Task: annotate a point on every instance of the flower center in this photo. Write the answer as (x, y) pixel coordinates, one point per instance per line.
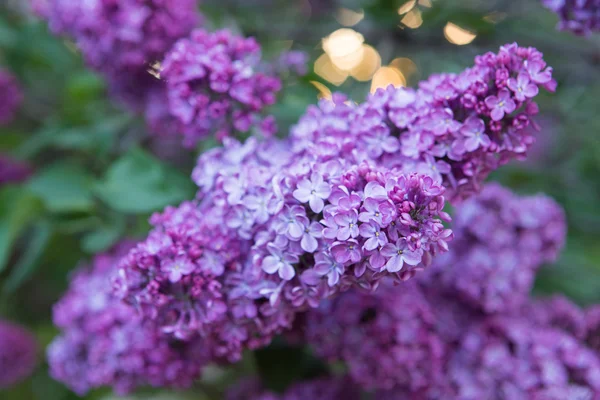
(399, 252)
(377, 234)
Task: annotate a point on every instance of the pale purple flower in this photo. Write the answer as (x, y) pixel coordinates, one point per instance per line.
(280, 262)
(313, 192)
(178, 267)
(312, 232)
(500, 105)
(347, 223)
(326, 265)
(375, 237)
(292, 222)
(399, 253)
(379, 211)
(522, 87)
(346, 251)
(474, 131)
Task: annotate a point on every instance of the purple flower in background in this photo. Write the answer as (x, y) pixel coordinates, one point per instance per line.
(104, 342)
(324, 388)
(501, 240)
(13, 171)
(387, 338)
(122, 39)
(10, 97)
(214, 86)
(18, 353)
(500, 105)
(578, 16)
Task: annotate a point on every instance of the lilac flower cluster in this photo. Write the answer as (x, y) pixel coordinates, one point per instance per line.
(18, 353)
(387, 339)
(456, 128)
(214, 86)
(105, 343)
(501, 241)
(10, 97)
(421, 340)
(329, 388)
(508, 358)
(122, 38)
(13, 171)
(581, 17)
(272, 234)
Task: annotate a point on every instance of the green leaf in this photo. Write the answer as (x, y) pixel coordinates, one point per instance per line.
(138, 183)
(64, 187)
(18, 208)
(103, 238)
(30, 259)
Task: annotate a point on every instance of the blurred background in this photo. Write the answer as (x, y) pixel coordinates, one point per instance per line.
(96, 175)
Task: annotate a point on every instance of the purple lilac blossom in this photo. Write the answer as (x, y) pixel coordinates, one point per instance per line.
(501, 240)
(325, 388)
(509, 358)
(582, 17)
(214, 86)
(10, 97)
(387, 339)
(121, 39)
(455, 127)
(18, 353)
(557, 312)
(103, 342)
(272, 234)
(13, 171)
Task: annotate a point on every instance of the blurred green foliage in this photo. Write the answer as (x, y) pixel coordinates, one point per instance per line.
(96, 179)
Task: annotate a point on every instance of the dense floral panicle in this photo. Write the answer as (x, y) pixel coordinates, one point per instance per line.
(13, 171)
(387, 339)
(214, 86)
(581, 17)
(122, 38)
(557, 312)
(327, 388)
(501, 241)
(10, 97)
(105, 343)
(456, 128)
(507, 358)
(18, 353)
(272, 234)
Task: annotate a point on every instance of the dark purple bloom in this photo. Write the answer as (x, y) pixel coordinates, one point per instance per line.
(501, 240)
(13, 171)
(578, 16)
(104, 342)
(10, 97)
(18, 353)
